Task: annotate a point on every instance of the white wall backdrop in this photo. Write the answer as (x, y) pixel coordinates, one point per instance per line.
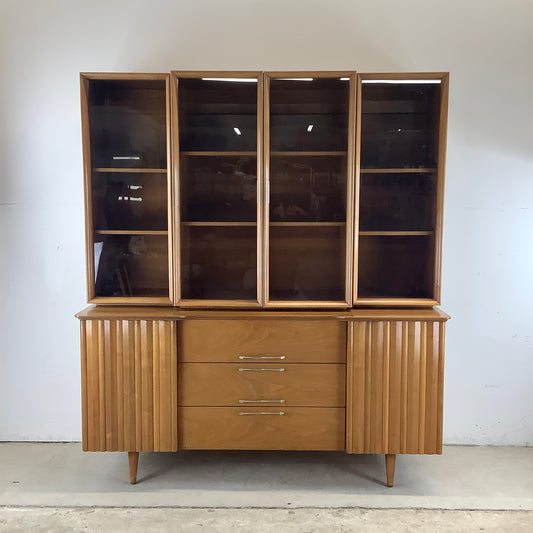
(487, 46)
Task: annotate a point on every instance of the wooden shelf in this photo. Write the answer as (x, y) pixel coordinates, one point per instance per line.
(306, 154)
(397, 170)
(219, 224)
(395, 233)
(132, 170)
(218, 154)
(310, 224)
(129, 232)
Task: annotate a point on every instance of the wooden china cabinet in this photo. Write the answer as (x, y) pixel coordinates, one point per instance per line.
(264, 256)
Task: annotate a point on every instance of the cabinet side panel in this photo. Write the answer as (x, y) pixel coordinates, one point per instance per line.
(395, 401)
(129, 377)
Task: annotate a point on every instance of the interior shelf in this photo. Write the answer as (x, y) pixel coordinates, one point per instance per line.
(132, 170)
(219, 224)
(129, 232)
(308, 224)
(417, 170)
(308, 153)
(218, 153)
(395, 233)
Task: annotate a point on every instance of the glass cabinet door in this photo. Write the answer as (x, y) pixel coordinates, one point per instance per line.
(309, 161)
(218, 168)
(401, 165)
(126, 153)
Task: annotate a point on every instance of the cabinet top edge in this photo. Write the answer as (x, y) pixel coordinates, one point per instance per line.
(124, 75)
(402, 75)
(173, 313)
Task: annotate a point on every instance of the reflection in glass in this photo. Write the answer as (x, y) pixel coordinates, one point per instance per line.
(219, 263)
(307, 263)
(308, 189)
(396, 266)
(220, 188)
(397, 202)
(217, 115)
(128, 123)
(309, 115)
(399, 125)
(131, 265)
(124, 201)
(308, 184)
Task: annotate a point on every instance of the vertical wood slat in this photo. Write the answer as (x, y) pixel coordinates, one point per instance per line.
(128, 346)
(84, 414)
(440, 396)
(397, 376)
(129, 385)
(395, 385)
(147, 408)
(119, 390)
(101, 385)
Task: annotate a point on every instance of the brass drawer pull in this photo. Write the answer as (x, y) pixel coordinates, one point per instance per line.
(279, 413)
(261, 357)
(261, 401)
(261, 370)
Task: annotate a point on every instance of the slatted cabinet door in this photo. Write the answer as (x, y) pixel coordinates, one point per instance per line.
(395, 386)
(129, 385)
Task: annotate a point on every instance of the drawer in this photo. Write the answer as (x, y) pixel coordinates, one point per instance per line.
(266, 341)
(236, 384)
(261, 428)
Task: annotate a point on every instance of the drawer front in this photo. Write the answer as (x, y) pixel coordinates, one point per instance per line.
(265, 341)
(263, 428)
(225, 384)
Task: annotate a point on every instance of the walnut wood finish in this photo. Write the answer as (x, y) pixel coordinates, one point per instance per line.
(258, 384)
(395, 385)
(434, 267)
(129, 385)
(133, 459)
(85, 79)
(171, 313)
(298, 428)
(297, 341)
(390, 465)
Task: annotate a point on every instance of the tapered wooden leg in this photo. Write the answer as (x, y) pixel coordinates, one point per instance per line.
(133, 458)
(390, 463)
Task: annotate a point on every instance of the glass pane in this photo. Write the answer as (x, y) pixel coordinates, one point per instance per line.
(129, 201)
(131, 265)
(308, 184)
(217, 115)
(128, 124)
(397, 202)
(219, 263)
(399, 125)
(307, 263)
(309, 115)
(308, 188)
(396, 266)
(219, 188)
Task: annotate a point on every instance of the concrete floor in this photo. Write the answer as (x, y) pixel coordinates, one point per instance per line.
(57, 487)
(23, 520)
